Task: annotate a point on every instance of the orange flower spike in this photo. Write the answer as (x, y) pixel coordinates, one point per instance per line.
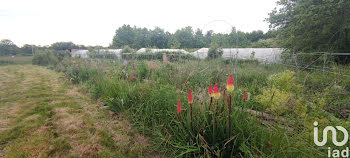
(216, 92)
(210, 91)
(244, 95)
(230, 84)
(179, 110)
(189, 96)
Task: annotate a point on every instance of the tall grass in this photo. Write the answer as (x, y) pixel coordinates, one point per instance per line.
(150, 93)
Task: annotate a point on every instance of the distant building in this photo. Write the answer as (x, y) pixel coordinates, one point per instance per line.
(269, 55)
(150, 50)
(79, 53)
(116, 52)
(201, 53)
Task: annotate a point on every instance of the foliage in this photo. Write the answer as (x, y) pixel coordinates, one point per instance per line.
(266, 43)
(281, 94)
(63, 46)
(49, 57)
(284, 81)
(274, 100)
(7, 47)
(187, 38)
(127, 49)
(307, 25)
(142, 70)
(79, 74)
(215, 52)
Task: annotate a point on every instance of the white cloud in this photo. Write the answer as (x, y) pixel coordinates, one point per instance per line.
(94, 22)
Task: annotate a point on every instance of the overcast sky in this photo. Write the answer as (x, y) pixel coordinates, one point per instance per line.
(42, 22)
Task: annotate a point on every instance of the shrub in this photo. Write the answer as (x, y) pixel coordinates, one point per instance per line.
(49, 57)
(128, 53)
(142, 70)
(78, 74)
(215, 52)
(280, 94)
(274, 99)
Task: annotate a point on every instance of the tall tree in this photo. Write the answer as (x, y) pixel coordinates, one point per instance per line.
(208, 37)
(7, 47)
(124, 35)
(142, 38)
(199, 39)
(159, 38)
(185, 37)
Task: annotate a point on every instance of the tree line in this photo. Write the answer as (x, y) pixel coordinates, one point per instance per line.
(186, 37)
(8, 48)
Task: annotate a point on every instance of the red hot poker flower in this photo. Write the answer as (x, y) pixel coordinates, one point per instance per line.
(230, 84)
(216, 92)
(179, 106)
(244, 95)
(210, 91)
(189, 96)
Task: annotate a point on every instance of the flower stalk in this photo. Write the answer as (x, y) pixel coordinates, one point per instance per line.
(190, 101)
(216, 97)
(230, 87)
(211, 95)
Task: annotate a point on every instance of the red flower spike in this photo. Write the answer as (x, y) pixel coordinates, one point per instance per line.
(210, 91)
(79, 63)
(244, 95)
(230, 84)
(179, 106)
(216, 92)
(189, 96)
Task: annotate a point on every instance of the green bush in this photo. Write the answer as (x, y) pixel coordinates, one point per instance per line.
(49, 57)
(280, 94)
(79, 74)
(215, 52)
(142, 70)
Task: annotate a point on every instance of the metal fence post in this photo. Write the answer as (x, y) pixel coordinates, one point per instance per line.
(324, 63)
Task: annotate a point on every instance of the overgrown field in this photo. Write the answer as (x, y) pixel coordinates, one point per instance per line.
(270, 112)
